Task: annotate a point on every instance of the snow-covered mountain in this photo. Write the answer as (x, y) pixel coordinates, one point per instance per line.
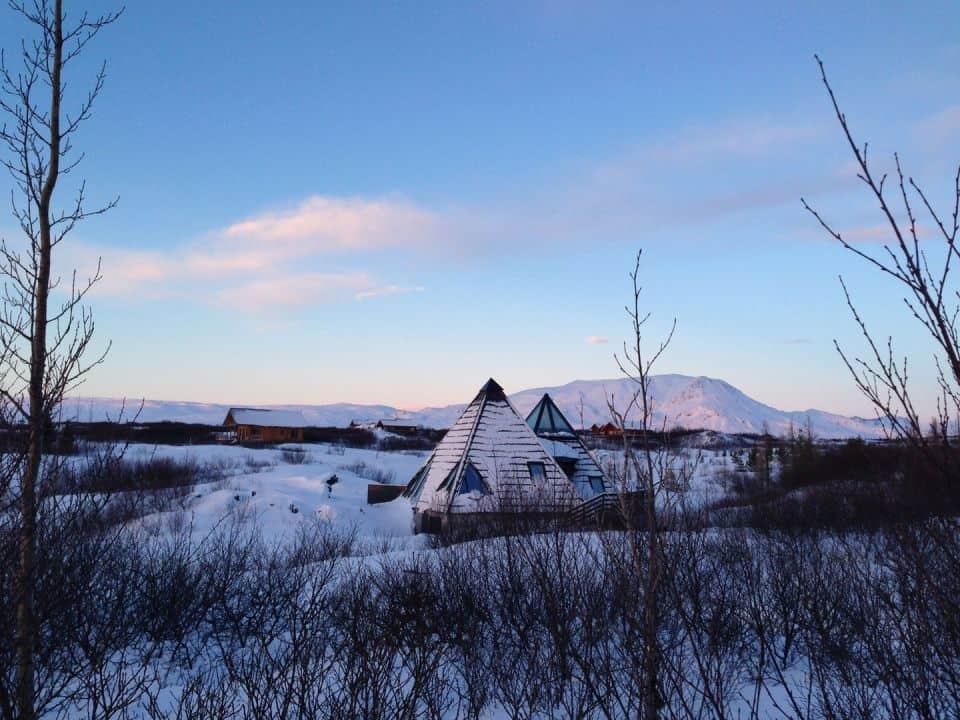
(695, 402)
(678, 401)
(94, 409)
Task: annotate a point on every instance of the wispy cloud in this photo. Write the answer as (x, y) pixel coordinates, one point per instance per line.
(736, 138)
(878, 233)
(699, 174)
(329, 224)
(870, 233)
(387, 290)
(320, 226)
(295, 290)
(328, 248)
(597, 340)
(939, 128)
(266, 259)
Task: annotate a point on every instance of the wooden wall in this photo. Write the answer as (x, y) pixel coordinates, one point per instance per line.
(255, 433)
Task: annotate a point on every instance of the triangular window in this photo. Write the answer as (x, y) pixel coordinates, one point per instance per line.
(547, 419)
(472, 481)
(558, 422)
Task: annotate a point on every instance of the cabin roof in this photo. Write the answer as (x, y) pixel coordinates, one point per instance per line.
(265, 418)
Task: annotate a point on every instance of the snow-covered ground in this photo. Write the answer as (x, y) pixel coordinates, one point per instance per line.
(261, 486)
(694, 477)
(264, 486)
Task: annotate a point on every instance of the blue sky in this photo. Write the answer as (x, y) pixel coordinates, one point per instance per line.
(390, 202)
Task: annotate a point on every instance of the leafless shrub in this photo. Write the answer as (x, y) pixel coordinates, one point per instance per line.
(204, 695)
(294, 456)
(372, 473)
(806, 624)
(255, 465)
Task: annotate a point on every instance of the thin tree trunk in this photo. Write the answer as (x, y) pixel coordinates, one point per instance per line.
(651, 621)
(26, 621)
(637, 366)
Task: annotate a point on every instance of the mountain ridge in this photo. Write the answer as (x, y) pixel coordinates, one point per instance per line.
(692, 402)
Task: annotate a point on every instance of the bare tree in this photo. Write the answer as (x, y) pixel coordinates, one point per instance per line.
(41, 349)
(922, 268)
(918, 671)
(643, 472)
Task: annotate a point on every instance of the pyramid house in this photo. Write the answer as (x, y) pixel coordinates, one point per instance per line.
(490, 461)
(566, 447)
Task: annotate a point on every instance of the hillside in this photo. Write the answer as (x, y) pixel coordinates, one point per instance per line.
(695, 402)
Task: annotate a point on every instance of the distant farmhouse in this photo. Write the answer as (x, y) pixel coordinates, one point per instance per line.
(399, 427)
(611, 431)
(255, 425)
(605, 430)
(491, 462)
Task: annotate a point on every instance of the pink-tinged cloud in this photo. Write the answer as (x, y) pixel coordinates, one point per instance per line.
(597, 340)
(869, 233)
(264, 257)
(247, 258)
(882, 233)
(387, 290)
(228, 261)
(123, 272)
(940, 127)
(738, 138)
(294, 290)
(327, 224)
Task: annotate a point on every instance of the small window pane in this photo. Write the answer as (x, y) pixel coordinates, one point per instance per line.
(568, 465)
(538, 472)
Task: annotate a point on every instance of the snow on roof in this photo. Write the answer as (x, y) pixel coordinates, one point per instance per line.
(265, 418)
(489, 441)
(559, 449)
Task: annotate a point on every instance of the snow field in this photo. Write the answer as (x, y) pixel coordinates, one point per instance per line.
(260, 486)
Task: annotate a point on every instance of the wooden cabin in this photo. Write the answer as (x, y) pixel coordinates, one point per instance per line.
(398, 427)
(255, 425)
(605, 430)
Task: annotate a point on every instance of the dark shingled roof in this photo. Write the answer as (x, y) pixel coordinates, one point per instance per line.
(493, 392)
(490, 441)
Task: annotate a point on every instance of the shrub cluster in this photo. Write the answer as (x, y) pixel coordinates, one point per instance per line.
(804, 625)
(848, 486)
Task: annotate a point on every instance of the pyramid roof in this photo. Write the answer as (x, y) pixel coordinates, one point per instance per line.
(490, 460)
(546, 418)
(563, 443)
